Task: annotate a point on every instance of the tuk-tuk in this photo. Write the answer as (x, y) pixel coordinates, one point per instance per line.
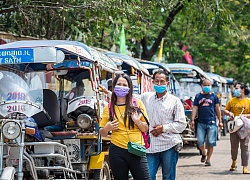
(153, 66)
(138, 73)
(50, 109)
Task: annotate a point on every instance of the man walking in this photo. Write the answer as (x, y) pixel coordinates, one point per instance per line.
(167, 121)
(206, 106)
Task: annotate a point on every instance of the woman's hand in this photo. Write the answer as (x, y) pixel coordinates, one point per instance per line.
(136, 117)
(112, 125)
(231, 116)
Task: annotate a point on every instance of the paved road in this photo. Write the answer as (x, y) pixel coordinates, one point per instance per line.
(189, 166)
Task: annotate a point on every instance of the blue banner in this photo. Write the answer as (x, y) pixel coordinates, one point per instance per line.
(16, 56)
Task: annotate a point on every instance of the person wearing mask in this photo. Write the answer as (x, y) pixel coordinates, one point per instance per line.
(234, 108)
(167, 121)
(206, 106)
(126, 126)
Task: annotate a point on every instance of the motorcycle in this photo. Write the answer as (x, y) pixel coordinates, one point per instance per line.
(44, 134)
(24, 109)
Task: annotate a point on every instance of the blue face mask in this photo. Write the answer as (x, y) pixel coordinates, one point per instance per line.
(237, 93)
(206, 89)
(160, 89)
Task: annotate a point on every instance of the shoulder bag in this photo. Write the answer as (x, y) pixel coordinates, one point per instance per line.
(237, 123)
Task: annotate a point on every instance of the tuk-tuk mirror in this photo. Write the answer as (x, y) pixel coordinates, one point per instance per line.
(192, 74)
(60, 56)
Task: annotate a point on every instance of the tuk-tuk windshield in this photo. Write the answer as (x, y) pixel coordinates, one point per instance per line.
(81, 86)
(21, 92)
(189, 89)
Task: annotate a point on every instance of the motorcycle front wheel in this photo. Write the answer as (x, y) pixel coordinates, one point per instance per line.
(8, 173)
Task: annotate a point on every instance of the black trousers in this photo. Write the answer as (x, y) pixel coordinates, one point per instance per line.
(121, 162)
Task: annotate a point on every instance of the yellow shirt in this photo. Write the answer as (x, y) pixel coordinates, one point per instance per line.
(120, 137)
(235, 105)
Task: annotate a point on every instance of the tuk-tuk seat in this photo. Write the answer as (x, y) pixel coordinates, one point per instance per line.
(50, 104)
(63, 135)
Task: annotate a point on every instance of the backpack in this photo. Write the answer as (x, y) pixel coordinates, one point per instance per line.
(145, 135)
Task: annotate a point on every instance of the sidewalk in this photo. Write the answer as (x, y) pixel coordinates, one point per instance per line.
(189, 166)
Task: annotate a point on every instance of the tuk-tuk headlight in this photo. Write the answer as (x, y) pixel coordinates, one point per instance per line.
(11, 130)
(84, 121)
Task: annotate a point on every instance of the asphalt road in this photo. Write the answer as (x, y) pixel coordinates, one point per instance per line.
(189, 166)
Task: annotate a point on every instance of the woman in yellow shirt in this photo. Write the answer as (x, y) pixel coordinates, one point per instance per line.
(125, 126)
(234, 108)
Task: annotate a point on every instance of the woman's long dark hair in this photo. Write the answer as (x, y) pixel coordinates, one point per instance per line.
(128, 101)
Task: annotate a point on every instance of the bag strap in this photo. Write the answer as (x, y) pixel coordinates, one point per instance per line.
(243, 108)
(204, 100)
(126, 127)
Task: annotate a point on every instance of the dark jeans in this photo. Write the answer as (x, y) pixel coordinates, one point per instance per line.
(121, 161)
(167, 159)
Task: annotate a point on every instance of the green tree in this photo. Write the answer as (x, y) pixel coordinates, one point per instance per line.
(216, 32)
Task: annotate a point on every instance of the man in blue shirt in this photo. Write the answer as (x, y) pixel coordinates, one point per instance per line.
(206, 106)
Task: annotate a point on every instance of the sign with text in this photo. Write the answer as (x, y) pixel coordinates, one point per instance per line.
(16, 56)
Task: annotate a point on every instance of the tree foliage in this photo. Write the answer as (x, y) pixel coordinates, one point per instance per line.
(216, 32)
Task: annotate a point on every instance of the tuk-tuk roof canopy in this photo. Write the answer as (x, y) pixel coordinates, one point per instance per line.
(217, 77)
(120, 58)
(229, 80)
(51, 51)
(154, 65)
(183, 68)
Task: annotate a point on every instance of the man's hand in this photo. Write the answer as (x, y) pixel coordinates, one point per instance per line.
(192, 125)
(103, 89)
(220, 124)
(157, 130)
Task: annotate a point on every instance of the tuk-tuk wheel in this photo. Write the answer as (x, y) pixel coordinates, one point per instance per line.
(102, 174)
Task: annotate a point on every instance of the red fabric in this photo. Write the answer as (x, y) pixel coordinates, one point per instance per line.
(189, 104)
(188, 58)
(187, 55)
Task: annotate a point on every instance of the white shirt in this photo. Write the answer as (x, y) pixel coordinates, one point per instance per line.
(169, 112)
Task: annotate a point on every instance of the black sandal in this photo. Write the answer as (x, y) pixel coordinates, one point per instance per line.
(203, 158)
(207, 163)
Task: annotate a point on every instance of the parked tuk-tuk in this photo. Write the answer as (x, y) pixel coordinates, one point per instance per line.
(153, 66)
(50, 109)
(138, 73)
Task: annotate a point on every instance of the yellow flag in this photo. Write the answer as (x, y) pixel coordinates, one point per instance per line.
(159, 58)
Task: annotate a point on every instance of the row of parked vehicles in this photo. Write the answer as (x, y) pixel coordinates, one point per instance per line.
(51, 106)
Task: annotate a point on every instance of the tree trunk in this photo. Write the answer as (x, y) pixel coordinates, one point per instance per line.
(147, 54)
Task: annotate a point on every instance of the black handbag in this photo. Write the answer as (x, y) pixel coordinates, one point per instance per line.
(136, 149)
